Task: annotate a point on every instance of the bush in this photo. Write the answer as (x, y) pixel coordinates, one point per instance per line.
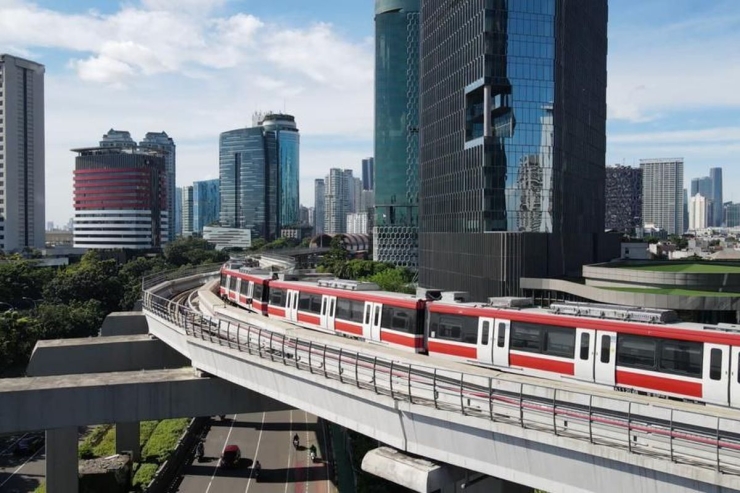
(163, 440)
(144, 475)
(107, 444)
(86, 449)
(145, 431)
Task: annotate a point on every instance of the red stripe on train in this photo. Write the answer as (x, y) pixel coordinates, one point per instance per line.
(277, 311)
(347, 327)
(543, 364)
(662, 384)
(310, 319)
(467, 352)
(402, 340)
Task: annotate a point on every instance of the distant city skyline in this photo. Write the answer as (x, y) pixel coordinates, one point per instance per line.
(93, 82)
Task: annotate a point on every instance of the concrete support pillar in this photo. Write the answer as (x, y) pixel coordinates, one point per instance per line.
(62, 474)
(127, 439)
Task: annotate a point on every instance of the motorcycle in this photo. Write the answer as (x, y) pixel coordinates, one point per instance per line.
(200, 451)
(257, 469)
(313, 453)
(296, 442)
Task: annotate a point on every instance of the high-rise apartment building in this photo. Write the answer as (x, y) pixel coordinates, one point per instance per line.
(187, 211)
(715, 175)
(662, 194)
(118, 138)
(312, 216)
(513, 142)
(303, 218)
(732, 215)
(349, 191)
(163, 142)
(206, 204)
(178, 211)
(396, 155)
(259, 173)
(319, 206)
(623, 192)
(368, 177)
(120, 198)
(335, 213)
(685, 207)
(357, 223)
(698, 212)
(22, 169)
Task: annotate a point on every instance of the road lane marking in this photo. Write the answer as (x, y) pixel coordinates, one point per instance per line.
(290, 449)
(218, 464)
(326, 447)
(22, 465)
(308, 451)
(256, 450)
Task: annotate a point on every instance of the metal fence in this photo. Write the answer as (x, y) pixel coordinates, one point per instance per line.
(170, 275)
(686, 437)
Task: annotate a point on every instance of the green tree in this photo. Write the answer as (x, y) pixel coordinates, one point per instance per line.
(16, 342)
(20, 279)
(192, 251)
(305, 243)
(397, 279)
(76, 319)
(131, 274)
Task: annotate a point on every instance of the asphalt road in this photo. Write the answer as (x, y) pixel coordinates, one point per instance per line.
(268, 438)
(20, 474)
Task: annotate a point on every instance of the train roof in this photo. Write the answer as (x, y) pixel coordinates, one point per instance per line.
(349, 289)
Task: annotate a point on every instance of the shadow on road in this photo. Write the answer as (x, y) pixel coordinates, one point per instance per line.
(295, 427)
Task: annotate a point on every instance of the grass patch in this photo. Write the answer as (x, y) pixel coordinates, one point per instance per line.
(696, 268)
(145, 431)
(675, 292)
(163, 440)
(86, 449)
(107, 444)
(144, 475)
(40, 488)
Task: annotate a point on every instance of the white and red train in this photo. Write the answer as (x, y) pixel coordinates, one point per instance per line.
(626, 348)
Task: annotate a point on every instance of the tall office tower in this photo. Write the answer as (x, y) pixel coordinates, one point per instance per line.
(357, 195)
(513, 142)
(22, 185)
(303, 218)
(368, 173)
(163, 142)
(685, 207)
(732, 215)
(662, 194)
(312, 216)
(319, 191)
(178, 211)
(702, 186)
(349, 192)
(187, 211)
(120, 198)
(396, 159)
(118, 138)
(206, 204)
(285, 132)
(259, 173)
(623, 192)
(698, 212)
(357, 223)
(335, 214)
(715, 175)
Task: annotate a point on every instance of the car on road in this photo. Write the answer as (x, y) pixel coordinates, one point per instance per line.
(230, 456)
(28, 445)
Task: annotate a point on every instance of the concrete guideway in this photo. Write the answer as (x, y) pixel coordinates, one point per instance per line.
(437, 420)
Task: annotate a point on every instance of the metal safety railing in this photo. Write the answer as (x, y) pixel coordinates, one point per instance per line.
(157, 278)
(685, 437)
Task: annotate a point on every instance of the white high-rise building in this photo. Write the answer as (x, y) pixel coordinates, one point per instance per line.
(662, 194)
(187, 211)
(357, 223)
(22, 184)
(319, 206)
(699, 208)
(336, 199)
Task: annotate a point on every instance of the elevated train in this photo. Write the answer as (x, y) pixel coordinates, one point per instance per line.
(630, 349)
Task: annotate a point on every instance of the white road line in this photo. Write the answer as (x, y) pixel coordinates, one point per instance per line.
(308, 451)
(256, 450)
(218, 464)
(14, 444)
(326, 460)
(290, 450)
(21, 466)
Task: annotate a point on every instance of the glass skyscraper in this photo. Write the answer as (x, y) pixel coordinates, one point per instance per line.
(162, 141)
(259, 173)
(512, 142)
(396, 159)
(206, 204)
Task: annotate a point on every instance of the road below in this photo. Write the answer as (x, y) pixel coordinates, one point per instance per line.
(268, 438)
(20, 474)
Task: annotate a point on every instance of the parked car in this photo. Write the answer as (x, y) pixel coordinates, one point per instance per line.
(28, 445)
(230, 456)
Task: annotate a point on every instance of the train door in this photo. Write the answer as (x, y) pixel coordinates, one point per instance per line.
(485, 334)
(376, 322)
(250, 292)
(369, 331)
(584, 357)
(227, 286)
(735, 377)
(501, 335)
(716, 385)
(328, 309)
(605, 358)
(238, 289)
(291, 306)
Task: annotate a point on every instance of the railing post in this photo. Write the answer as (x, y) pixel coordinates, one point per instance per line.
(408, 378)
(310, 354)
(629, 426)
(554, 412)
(521, 405)
(271, 350)
(282, 351)
(670, 441)
(375, 381)
(295, 351)
(259, 342)
(323, 363)
(390, 378)
(462, 403)
(719, 445)
(434, 389)
(357, 368)
(590, 418)
(339, 366)
(490, 398)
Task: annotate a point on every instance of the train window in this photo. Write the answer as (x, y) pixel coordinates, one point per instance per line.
(715, 364)
(367, 313)
(484, 332)
(526, 337)
(315, 303)
(257, 293)
(560, 342)
(223, 280)
(501, 342)
(344, 309)
(276, 297)
(585, 343)
(357, 309)
(304, 302)
(636, 351)
(376, 321)
(244, 287)
(681, 357)
(449, 329)
(606, 349)
(232, 284)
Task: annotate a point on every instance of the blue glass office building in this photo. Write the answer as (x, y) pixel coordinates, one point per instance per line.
(396, 159)
(259, 177)
(512, 142)
(206, 204)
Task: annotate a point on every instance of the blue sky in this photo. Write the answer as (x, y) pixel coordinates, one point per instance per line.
(195, 68)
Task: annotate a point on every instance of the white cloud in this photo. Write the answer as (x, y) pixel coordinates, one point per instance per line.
(701, 136)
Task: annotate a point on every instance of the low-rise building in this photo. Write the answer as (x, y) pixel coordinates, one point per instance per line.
(227, 237)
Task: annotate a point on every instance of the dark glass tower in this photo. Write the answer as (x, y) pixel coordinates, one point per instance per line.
(512, 142)
(396, 159)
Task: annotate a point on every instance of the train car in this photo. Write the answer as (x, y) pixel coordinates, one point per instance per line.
(351, 308)
(245, 287)
(631, 349)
